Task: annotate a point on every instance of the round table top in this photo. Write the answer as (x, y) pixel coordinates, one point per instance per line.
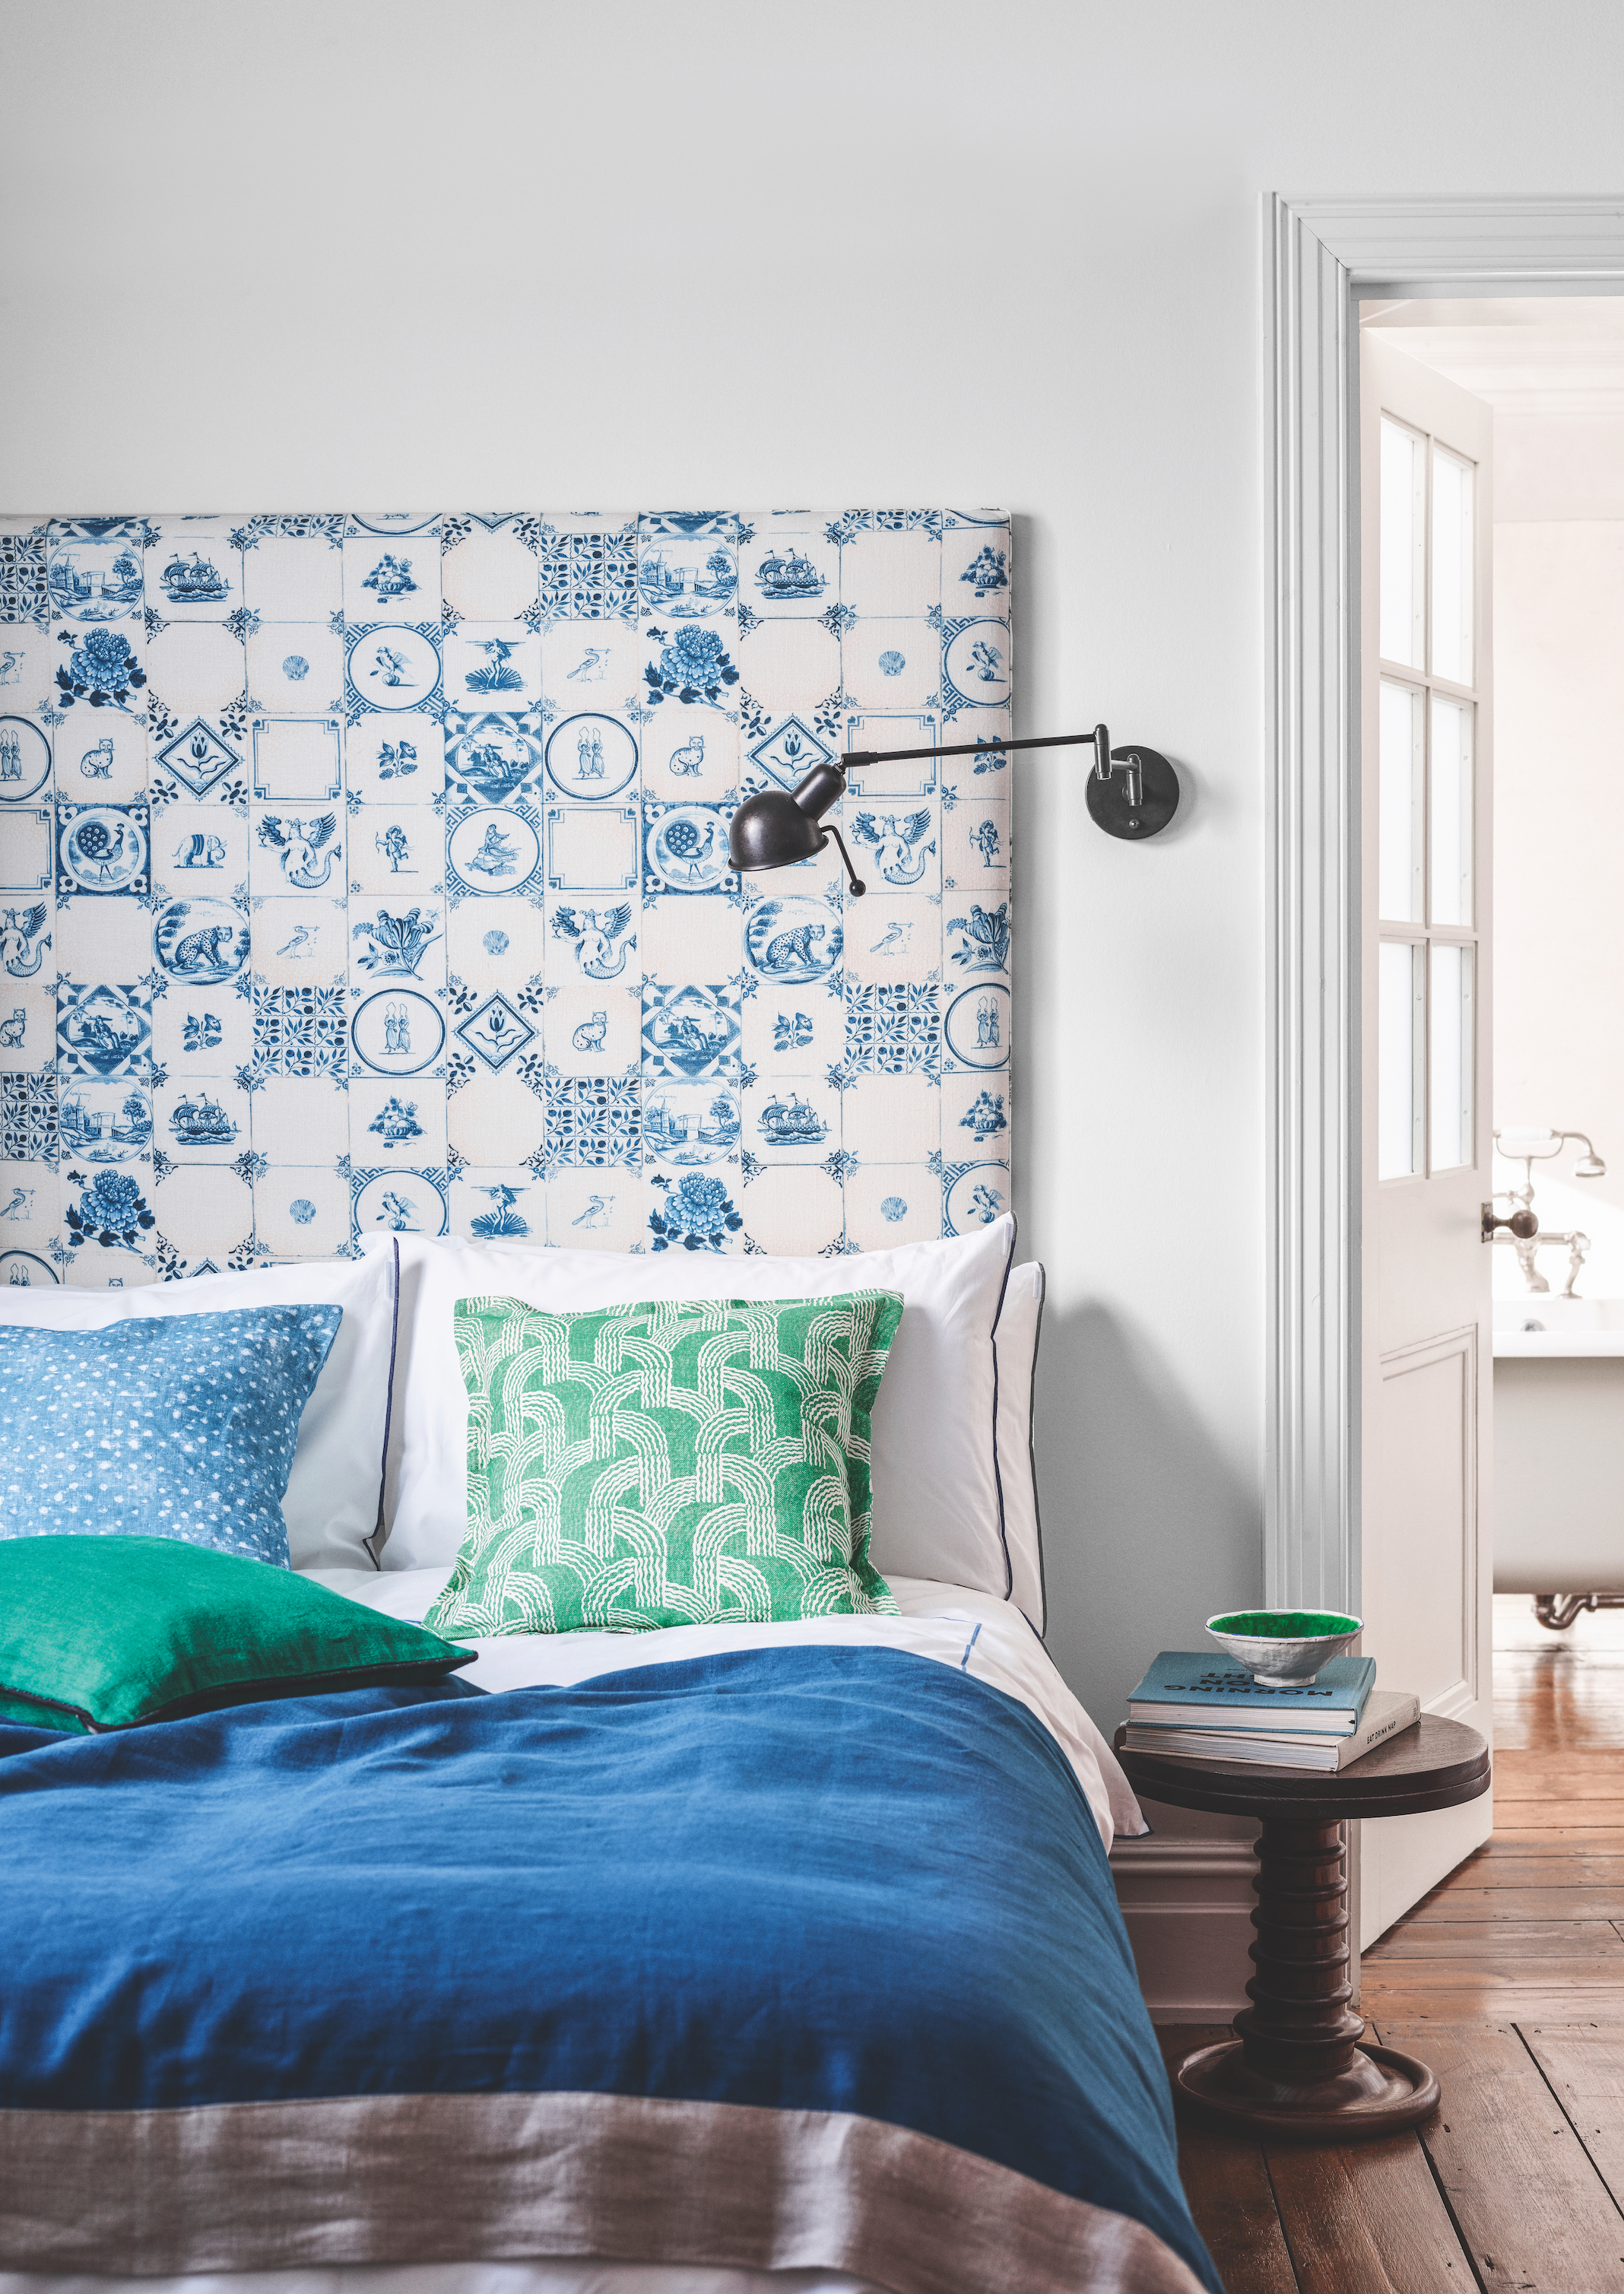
(1433, 1764)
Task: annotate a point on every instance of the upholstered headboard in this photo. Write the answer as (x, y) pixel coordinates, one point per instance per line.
(371, 872)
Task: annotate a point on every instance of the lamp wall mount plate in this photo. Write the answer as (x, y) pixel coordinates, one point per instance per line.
(1134, 804)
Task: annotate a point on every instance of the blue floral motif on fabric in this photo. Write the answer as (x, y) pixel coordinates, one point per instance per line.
(692, 666)
(101, 668)
(696, 1214)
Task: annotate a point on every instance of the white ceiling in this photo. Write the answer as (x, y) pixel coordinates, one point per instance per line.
(1525, 354)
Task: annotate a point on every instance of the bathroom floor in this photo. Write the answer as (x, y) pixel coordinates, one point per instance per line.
(1509, 1979)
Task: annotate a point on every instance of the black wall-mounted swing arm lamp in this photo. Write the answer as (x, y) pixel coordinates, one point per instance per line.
(1132, 793)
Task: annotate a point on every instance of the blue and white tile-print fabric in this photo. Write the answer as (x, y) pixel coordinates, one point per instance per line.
(362, 874)
(180, 1426)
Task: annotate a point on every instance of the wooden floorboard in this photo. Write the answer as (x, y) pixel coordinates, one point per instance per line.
(1534, 2213)
(1366, 2218)
(1509, 1979)
(1226, 2180)
(1583, 2064)
(1503, 1940)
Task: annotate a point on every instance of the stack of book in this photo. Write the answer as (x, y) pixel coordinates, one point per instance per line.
(1198, 1710)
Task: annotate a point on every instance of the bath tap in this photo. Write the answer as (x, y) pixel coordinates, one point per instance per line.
(1528, 1147)
(1526, 1247)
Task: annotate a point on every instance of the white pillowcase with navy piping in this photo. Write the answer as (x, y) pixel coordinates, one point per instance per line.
(954, 1498)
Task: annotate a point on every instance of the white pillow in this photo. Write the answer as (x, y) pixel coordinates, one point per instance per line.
(936, 1511)
(1016, 1342)
(334, 1500)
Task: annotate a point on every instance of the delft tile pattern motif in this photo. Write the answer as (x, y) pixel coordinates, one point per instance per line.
(369, 873)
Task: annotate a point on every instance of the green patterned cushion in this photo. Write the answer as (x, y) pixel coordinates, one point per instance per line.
(673, 1463)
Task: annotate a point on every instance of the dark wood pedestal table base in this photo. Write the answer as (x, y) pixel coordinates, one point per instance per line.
(1296, 2066)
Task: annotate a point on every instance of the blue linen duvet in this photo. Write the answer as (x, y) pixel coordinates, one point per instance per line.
(803, 1880)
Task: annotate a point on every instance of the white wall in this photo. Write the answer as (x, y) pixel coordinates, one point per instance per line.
(390, 252)
(1559, 808)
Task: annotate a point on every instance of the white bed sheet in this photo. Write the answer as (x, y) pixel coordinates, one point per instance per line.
(951, 1624)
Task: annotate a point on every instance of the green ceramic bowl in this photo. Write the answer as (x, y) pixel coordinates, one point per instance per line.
(1284, 1648)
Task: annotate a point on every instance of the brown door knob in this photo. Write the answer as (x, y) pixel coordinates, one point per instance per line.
(1523, 1224)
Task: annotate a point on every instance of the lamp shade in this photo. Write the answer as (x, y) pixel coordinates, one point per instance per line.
(770, 830)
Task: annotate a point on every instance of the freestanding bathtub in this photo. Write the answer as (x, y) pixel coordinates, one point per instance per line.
(1559, 1451)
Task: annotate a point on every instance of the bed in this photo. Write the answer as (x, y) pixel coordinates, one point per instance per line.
(772, 1944)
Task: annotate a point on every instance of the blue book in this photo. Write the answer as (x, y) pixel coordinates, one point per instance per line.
(1186, 1691)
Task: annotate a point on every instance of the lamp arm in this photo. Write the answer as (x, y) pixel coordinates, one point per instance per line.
(1098, 738)
(857, 886)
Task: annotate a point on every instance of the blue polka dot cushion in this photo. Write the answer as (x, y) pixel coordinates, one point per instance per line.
(181, 1428)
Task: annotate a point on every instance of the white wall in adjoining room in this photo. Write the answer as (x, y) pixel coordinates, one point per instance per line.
(394, 253)
(1559, 794)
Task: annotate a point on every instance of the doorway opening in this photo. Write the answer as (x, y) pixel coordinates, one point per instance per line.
(1492, 966)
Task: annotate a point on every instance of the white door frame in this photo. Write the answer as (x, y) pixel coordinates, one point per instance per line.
(1322, 255)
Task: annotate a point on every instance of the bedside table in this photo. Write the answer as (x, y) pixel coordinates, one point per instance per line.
(1297, 2066)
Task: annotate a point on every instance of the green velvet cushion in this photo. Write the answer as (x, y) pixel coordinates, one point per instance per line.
(670, 1463)
(105, 1632)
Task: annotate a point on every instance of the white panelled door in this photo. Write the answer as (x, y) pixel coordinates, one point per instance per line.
(1426, 1554)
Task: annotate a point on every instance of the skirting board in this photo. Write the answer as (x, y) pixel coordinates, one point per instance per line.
(1188, 1902)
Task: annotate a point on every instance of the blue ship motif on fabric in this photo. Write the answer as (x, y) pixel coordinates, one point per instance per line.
(391, 577)
(788, 1120)
(202, 1122)
(988, 571)
(790, 1032)
(898, 841)
(786, 574)
(196, 581)
(986, 945)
